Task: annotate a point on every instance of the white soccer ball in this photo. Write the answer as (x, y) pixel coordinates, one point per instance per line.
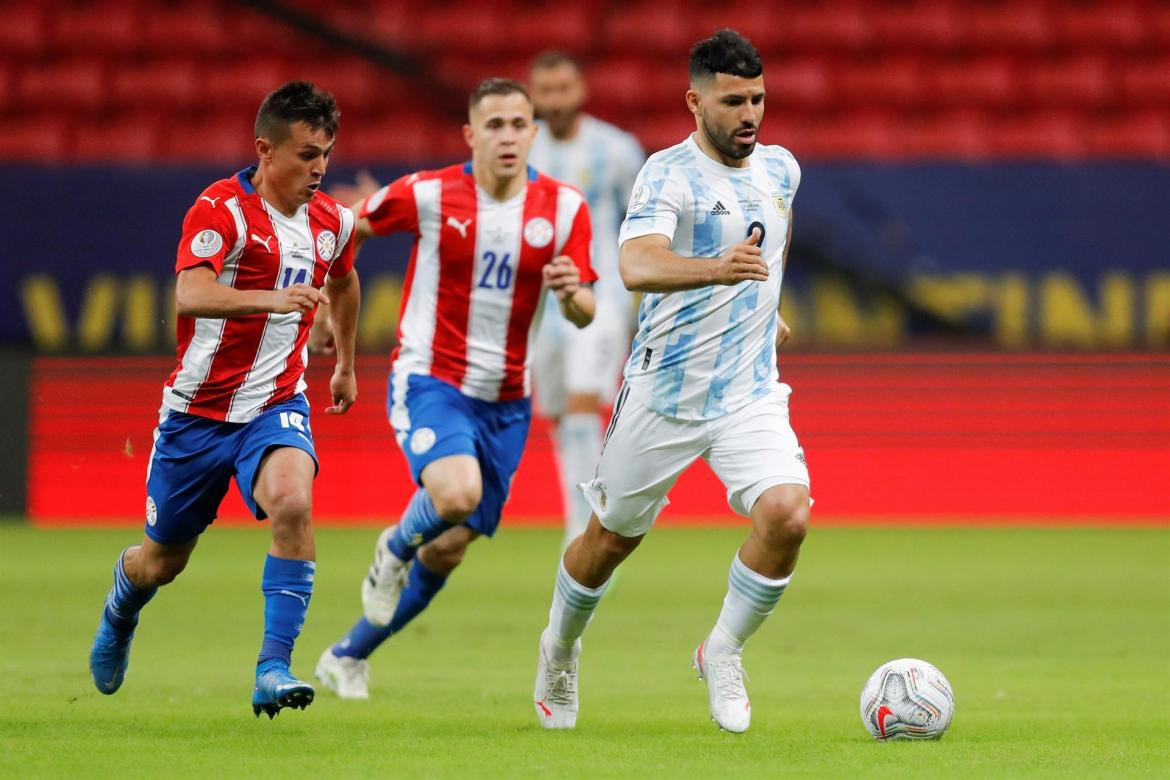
(907, 699)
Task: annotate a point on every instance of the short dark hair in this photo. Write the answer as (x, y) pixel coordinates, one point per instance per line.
(725, 52)
(496, 86)
(551, 58)
(296, 101)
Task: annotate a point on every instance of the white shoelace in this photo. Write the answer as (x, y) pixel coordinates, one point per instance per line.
(729, 677)
(561, 685)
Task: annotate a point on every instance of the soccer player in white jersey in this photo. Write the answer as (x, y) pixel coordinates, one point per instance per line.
(705, 237)
(257, 252)
(491, 237)
(576, 370)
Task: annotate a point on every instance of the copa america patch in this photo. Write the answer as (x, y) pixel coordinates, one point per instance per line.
(639, 199)
(422, 440)
(206, 243)
(538, 232)
(151, 511)
(326, 244)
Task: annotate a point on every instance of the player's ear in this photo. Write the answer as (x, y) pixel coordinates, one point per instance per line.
(694, 101)
(263, 148)
(469, 136)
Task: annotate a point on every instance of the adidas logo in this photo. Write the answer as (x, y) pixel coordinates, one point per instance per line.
(720, 210)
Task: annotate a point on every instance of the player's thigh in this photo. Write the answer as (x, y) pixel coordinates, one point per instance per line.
(549, 365)
(501, 433)
(754, 448)
(434, 425)
(187, 477)
(594, 357)
(277, 461)
(643, 455)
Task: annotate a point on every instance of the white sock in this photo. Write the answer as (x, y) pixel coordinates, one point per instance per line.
(750, 598)
(572, 607)
(578, 450)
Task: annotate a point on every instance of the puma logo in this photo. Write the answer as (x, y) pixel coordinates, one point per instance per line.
(460, 226)
(263, 241)
(303, 599)
(209, 200)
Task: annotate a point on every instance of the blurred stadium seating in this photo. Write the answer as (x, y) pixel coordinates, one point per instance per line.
(876, 79)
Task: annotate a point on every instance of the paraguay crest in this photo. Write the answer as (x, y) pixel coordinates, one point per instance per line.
(538, 232)
(326, 244)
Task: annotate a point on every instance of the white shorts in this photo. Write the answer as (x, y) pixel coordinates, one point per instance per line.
(750, 450)
(568, 359)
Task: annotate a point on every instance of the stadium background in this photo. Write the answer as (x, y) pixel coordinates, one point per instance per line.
(980, 291)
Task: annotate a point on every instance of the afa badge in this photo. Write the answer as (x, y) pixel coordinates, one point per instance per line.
(781, 204)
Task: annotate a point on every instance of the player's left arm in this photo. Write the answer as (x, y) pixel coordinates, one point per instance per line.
(783, 331)
(344, 293)
(570, 273)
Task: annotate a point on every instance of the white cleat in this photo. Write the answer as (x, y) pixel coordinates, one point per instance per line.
(555, 694)
(383, 586)
(728, 698)
(348, 677)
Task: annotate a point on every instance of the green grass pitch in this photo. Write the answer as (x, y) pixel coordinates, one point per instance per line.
(1057, 642)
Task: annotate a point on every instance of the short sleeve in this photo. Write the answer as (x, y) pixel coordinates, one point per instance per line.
(343, 263)
(209, 233)
(577, 245)
(392, 209)
(655, 205)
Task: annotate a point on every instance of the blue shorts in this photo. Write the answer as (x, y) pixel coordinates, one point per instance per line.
(194, 460)
(432, 420)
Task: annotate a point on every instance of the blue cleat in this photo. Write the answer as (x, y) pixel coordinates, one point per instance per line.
(276, 689)
(109, 656)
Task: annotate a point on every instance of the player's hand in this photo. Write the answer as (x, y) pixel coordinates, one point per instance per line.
(744, 262)
(783, 332)
(364, 186)
(343, 389)
(297, 298)
(321, 334)
(562, 277)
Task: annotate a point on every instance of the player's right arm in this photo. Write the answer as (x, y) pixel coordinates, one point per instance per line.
(647, 265)
(391, 209)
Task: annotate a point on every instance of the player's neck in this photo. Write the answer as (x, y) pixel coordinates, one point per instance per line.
(498, 187)
(708, 148)
(263, 186)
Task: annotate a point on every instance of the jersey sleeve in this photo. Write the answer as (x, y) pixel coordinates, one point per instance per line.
(343, 263)
(209, 233)
(580, 239)
(655, 205)
(392, 209)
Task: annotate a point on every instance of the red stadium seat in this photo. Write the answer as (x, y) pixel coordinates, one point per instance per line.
(917, 26)
(166, 83)
(829, 27)
(242, 84)
(418, 140)
(651, 27)
(1077, 81)
(986, 81)
(24, 31)
(636, 85)
(1115, 25)
(224, 139)
(1136, 135)
(567, 28)
(959, 134)
(1023, 25)
(134, 139)
(888, 82)
(764, 24)
(662, 130)
(463, 28)
(867, 135)
(68, 85)
(113, 28)
(34, 138)
(1147, 82)
(804, 83)
(1040, 136)
(193, 29)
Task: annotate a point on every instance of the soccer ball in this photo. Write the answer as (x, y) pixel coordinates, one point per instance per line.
(907, 699)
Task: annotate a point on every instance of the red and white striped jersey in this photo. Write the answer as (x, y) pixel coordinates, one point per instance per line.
(474, 286)
(232, 369)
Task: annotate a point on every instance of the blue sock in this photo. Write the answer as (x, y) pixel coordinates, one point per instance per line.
(287, 586)
(125, 599)
(365, 637)
(420, 524)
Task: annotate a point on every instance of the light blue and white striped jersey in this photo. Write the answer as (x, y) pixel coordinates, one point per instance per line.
(703, 353)
(601, 161)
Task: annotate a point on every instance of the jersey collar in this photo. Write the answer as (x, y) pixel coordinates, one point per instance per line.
(244, 177)
(532, 174)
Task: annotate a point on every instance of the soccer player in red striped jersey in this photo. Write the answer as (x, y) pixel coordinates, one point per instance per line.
(259, 250)
(492, 236)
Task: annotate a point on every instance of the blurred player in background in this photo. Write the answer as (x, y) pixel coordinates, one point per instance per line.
(706, 237)
(576, 370)
(491, 237)
(256, 253)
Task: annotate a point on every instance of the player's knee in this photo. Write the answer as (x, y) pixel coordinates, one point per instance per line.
(785, 516)
(455, 503)
(290, 507)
